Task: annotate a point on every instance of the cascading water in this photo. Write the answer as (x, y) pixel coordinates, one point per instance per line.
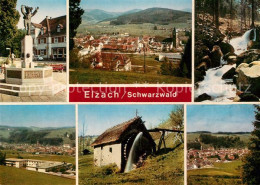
(131, 157)
(240, 43)
(213, 84)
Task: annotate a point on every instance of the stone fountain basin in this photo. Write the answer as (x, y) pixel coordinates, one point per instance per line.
(29, 76)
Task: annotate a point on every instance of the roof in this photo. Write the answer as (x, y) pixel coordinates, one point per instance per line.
(114, 134)
(51, 24)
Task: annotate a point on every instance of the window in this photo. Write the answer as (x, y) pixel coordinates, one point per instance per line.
(64, 39)
(42, 31)
(56, 40)
(58, 29)
(42, 41)
(110, 149)
(42, 52)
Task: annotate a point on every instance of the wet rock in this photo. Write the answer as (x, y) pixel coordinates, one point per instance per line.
(216, 56)
(199, 75)
(203, 97)
(229, 74)
(247, 97)
(226, 48)
(248, 78)
(248, 56)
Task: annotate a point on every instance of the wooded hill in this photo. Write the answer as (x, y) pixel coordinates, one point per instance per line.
(154, 16)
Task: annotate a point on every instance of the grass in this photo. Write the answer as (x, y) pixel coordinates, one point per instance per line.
(132, 29)
(59, 158)
(165, 168)
(90, 76)
(222, 173)
(17, 176)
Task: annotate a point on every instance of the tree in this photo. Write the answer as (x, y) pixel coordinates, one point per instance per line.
(75, 13)
(176, 118)
(216, 12)
(9, 18)
(253, 13)
(2, 158)
(251, 167)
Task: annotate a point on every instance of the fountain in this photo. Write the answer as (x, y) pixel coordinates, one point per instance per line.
(27, 79)
(132, 155)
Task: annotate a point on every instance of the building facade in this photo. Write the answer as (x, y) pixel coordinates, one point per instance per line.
(49, 38)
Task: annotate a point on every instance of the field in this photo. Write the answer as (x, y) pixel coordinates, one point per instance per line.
(90, 76)
(132, 29)
(222, 173)
(59, 158)
(159, 169)
(16, 176)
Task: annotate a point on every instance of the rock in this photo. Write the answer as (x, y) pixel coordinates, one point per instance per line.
(247, 97)
(248, 56)
(248, 78)
(203, 97)
(229, 74)
(199, 75)
(216, 55)
(226, 48)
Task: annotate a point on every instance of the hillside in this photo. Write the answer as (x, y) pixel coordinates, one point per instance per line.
(160, 169)
(93, 16)
(49, 133)
(154, 16)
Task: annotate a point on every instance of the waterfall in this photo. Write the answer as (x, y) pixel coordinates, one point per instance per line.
(130, 160)
(240, 43)
(214, 86)
(254, 34)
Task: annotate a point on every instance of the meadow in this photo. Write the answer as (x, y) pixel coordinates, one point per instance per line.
(17, 176)
(222, 173)
(163, 168)
(90, 76)
(132, 29)
(48, 157)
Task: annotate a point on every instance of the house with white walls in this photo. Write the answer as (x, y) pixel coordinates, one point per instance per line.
(114, 145)
(49, 38)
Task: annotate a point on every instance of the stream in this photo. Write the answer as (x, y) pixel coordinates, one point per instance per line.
(222, 90)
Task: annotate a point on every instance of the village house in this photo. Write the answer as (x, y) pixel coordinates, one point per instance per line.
(114, 145)
(49, 38)
(111, 61)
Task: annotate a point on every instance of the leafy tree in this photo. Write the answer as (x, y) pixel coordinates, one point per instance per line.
(176, 118)
(9, 18)
(251, 168)
(2, 158)
(75, 13)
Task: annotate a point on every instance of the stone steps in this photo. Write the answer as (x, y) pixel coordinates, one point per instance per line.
(32, 90)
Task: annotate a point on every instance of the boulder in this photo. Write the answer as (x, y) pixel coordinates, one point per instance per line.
(248, 97)
(248, 56)
(226, 48)
(199, 75)
(229, 74)
(248, 78)
(203, 97)
(216, 55)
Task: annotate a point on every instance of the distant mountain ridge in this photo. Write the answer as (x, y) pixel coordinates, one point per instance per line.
(137, 16)
(96, 15)
(154, 16)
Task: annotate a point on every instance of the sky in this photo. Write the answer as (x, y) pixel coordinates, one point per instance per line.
(37, 115)
(216, 118)
(125, 5)
(51, 8)
(98, 118)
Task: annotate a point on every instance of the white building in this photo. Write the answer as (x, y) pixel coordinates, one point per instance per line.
(113, 146)
(36, 165)
(49, 38)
